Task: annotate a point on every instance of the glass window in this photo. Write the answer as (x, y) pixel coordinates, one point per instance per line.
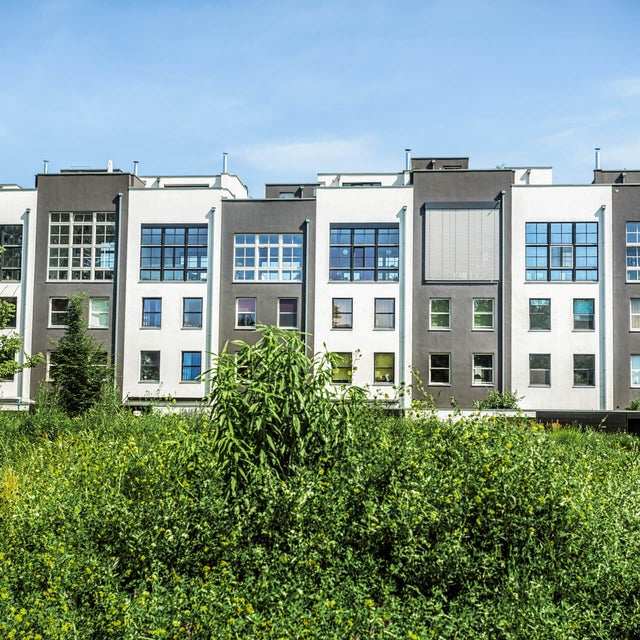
(192, 312)
(11, 257)
(288, 313)
(539, 314)
(9, 312)
(364, 253)
(245, 312)
(99, 313)
(173, 253)
(150, 366)
(383, 367)
(482, 368)
(151, 312)
(384, 313)
(440, 368)
(583, 314)
(633, 251)
(191, 365)
(342, 371)
(584, 367)
(540, 369)
(483, 313)
(634, 308)
(268, 257)
(440, 313)
(561, 251)
(342, 313)
(58, 312)
(635, 371)
(81, 245)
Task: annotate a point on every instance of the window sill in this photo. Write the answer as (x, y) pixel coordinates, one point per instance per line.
(341, 328)
(539, 386)
(150, 328)
(483, 330)
(190, 381)
(384, 328)
(245, 328)
(191, 328)
(439, 384)
(149, 381)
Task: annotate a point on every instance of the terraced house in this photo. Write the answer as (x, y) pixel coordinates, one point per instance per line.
(471, 279)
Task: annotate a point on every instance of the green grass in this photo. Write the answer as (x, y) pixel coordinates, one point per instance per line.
(114, 526)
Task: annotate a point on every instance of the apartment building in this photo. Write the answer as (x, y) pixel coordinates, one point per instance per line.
(475, 280)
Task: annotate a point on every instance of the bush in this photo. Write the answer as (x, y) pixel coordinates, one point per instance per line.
(498, 400)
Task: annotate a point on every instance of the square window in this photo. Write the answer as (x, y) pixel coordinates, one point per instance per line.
(149, 366)
(584, 368)
(9, 311)
(483, 313)
(439, 313)
(539, 314)
(342, 370)
(151, 312)
(342, 313)
(245, 313)
(288, 313)
(385, 313)
(192, 313)
(583, 314)
(191, 365)
(634, 309)
(540, 369)
(99, 313)
(635, 371)
(483, 369)
(440, 368)
(384, 367)
(58, 312)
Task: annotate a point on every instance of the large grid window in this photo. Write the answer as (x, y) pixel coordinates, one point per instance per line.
(149, 366)
(584, 314)
(539, 369)
(171, 253)
(383, 367)
(584, 370)
(267, 257)
(482, 368)
(191, 365)
(633, 251)
(562, 251)
(384, 313)
(11, 257)
(81, 245)
(342, 313)
(342, 371)
(439, 314)
(440, 368)
(370, 253)
(539, 314)
(483, 313)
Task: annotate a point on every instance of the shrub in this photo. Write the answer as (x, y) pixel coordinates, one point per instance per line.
(498, 400)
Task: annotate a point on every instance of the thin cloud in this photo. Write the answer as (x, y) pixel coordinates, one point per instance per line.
(625, 87)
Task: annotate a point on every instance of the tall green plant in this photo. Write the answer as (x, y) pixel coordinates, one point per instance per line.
(78, 363)
(11, 343)
(272, 406)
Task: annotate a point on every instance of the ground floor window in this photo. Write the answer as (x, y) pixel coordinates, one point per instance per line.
(383, 367)
(584, 369)
(482, 368)
(342, 370)
(540, 369)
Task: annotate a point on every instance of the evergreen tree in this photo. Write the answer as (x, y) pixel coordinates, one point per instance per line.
(78, 363)
(10, 345)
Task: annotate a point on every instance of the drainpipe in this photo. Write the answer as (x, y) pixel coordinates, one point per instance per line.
(401, 305)
(23, 300)
(305, 284)
(116, 290)
(501, 305)
(209, 320)
(602, 289)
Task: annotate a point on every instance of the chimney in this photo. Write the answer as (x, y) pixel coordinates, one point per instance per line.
(46, 166)
(224, 161)
(597, 158)
(407, 159)
(135, 167)
(109, 167)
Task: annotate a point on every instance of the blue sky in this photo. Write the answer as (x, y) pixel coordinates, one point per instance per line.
(290, 89)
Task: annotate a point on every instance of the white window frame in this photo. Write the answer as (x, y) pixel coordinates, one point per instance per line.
(433, 313)
(284, 257)
(635, 371)
(479, 380)
(483, 314)
(99, 314)
(438, 383)
(254, 312)
(51, 312)
(634, 315)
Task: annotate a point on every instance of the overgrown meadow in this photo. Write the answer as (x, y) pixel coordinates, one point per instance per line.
(117, 526)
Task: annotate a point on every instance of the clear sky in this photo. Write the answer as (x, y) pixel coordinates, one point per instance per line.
(293, 88)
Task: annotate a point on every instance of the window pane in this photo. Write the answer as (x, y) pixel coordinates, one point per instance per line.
(341, 313)
(384, 365)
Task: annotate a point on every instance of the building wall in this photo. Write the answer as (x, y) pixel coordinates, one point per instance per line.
(461, 341)
(356, 206)
(562, 341)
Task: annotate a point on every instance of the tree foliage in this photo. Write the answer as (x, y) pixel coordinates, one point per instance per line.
(78, 363)
(10, 345)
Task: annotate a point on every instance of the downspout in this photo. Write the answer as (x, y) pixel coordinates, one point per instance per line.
(305, 284)
(501, 305)
(401, 304)
(602, 311)
(23, 301)
(116, 291)
(209, 320)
